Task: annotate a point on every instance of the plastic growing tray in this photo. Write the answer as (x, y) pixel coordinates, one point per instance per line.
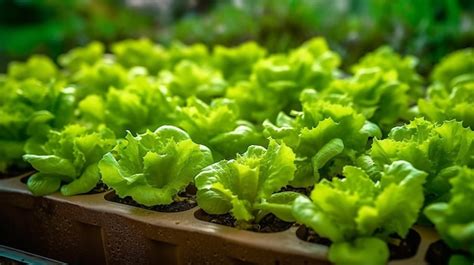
(89, 229)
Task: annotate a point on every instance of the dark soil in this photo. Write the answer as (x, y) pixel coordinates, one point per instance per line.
(399, 248)
(184, 202)
(404, 248)
(439, 253)
(99, 188)
(269, 224)
(15, 172)
(308, 234)
(304, 191)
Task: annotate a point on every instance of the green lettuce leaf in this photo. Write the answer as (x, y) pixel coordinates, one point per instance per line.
(154, 167)
(69, 158)
(324, 136)
(433, 148)
(357, 213)
(454, 219)
(217, 126)
(245, 186)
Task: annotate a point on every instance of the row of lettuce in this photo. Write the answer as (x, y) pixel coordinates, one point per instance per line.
(379, 151)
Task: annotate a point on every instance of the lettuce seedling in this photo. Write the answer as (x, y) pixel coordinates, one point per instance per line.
(431, 147)
(154, 167)
(377, 94)
(458, 104)
(69, 158)
(401, 68)
(191, 79)
(245, 187)
(358, 214)
(27, 113)
(454, 219)
(236, 63)
(139, 106)
(324, 136)
(141, 52)
(453, 67)
(217, 126)
(276, 81)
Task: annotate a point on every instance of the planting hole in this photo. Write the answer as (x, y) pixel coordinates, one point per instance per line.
(269, 224)
(404, 248)
(186, 202)
(307, 234)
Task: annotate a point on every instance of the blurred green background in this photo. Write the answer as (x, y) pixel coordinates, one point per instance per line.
(427, 29)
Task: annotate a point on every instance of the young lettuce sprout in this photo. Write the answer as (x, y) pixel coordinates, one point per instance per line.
(154, 167)
(454, 219)
(69, 156)
(217, 126)
(245, 187)
(434, 148)
(324, 136)
(358, 214)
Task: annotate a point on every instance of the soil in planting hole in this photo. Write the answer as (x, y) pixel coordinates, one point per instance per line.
(304, 191)
(186, 200)
(15, 172)
(399, 248)
(307, 234)
(403, 248)
(439, 253)
(269, 224)
(99, 188)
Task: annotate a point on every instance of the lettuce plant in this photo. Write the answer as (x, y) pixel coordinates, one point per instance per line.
(441, 105)
(37, 67)
(139, 106)
(68, 160)
(276, 81)
(80, 57)
(401, 68)
(191, 79)
(236, 63)
(217, 126)
(454, 219)
(154, 167)
(30, 109)
(141, 52)
(375, 93)
(245, 187)
(453, 67)
(431, 147)
(357, 214)
(324, 136)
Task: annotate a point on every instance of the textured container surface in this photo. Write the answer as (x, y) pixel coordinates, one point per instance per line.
(88, 229)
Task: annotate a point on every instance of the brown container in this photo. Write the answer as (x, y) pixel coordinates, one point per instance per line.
(88, 229)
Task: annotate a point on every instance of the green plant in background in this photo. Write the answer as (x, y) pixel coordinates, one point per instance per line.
(217, 126)
(451, 96)
(276, 81)
(154, 167)
(358, 213)
(68, 160)
(33, 102)
(245, 187)
(138, 106)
